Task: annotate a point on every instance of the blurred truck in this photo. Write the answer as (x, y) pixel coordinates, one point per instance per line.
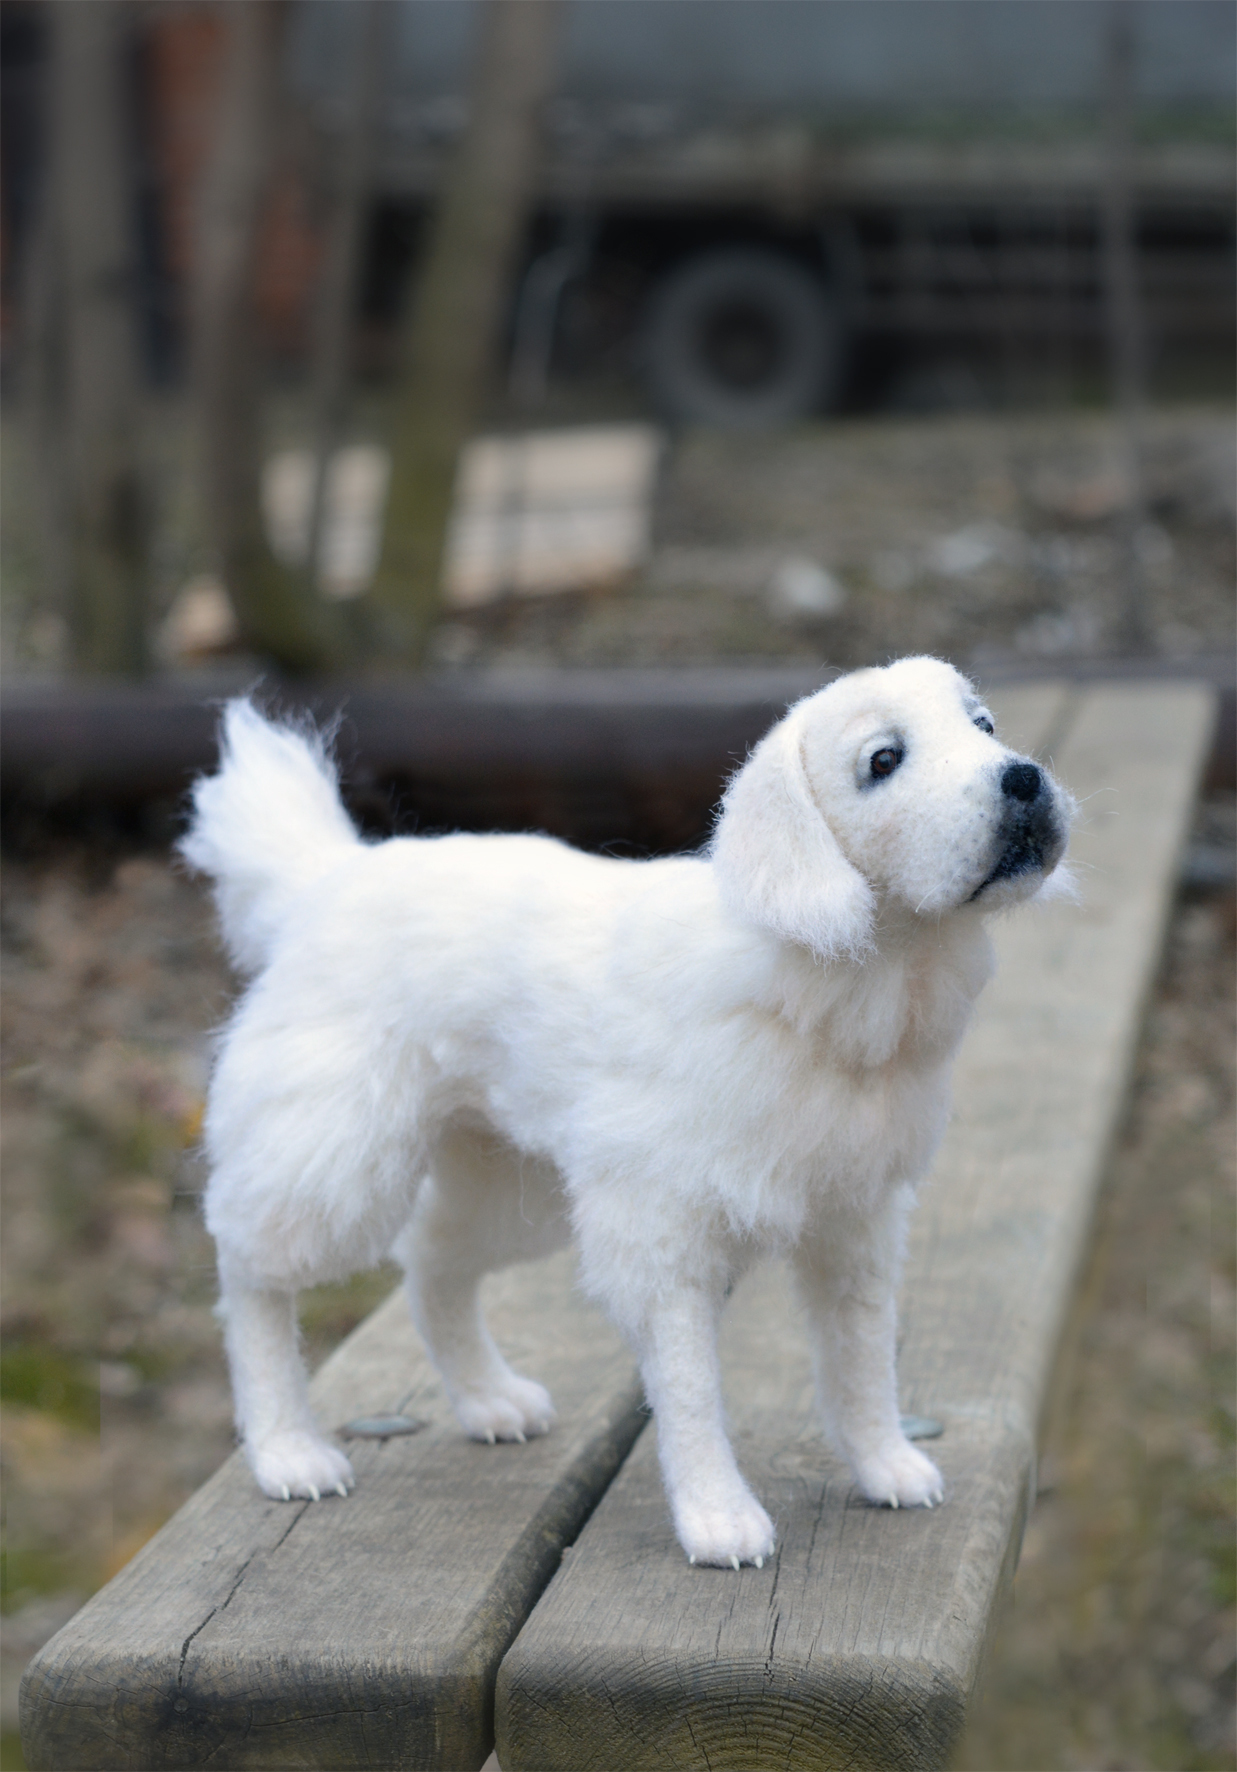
(762, 207)
(761, 204)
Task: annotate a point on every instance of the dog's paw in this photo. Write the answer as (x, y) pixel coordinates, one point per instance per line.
(518, 1409)
(902, 1477)
(298, 1466)
(725, 1534)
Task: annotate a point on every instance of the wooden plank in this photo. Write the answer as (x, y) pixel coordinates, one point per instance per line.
(1030, 716)
(252, 1633)
(859, 1644)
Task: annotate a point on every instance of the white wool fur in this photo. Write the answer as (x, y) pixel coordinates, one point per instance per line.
(465, 1049)
(266, 826)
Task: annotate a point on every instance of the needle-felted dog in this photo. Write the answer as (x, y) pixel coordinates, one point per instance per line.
(468, 1049)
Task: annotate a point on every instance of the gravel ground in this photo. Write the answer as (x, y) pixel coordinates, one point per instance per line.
(1118, 1652)
(987, 539)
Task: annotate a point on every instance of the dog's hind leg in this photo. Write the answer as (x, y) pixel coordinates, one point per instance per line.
(481, 1207)
(281, 1440)
(717, 1518)
(848, 1275)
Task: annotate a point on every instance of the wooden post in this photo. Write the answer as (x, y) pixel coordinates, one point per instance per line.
(458, 308)
(276, 614)
(92, 248)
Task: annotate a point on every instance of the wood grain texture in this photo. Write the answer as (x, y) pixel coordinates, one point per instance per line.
(859, 1644)
(366, 1632)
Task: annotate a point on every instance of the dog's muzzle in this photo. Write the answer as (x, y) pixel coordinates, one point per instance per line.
(1029, 835)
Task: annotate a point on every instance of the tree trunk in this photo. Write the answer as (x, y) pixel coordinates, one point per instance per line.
(44, 398)
(459, 305)
(337, 294)
(1124, 313)
(277, 614)
(95, 252)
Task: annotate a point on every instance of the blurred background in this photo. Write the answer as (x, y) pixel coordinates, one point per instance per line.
(559, 387)
(289, 290)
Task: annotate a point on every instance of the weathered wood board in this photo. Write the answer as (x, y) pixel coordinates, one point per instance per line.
(366, 1632)
(860, 1643)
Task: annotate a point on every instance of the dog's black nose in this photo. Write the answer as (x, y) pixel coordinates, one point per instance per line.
(1021, 781)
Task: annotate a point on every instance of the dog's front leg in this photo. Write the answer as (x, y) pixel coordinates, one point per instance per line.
(848, 1274)
(717, 1518)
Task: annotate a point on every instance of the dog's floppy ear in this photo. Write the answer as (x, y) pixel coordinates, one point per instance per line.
(776, 860)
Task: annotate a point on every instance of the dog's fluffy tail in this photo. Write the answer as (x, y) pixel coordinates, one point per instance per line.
(267, 825)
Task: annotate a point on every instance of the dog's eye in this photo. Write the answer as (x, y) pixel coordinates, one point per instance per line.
(984, 723)
(885, 762)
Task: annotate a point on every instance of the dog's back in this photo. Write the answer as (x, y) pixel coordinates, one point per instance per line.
(265, 827)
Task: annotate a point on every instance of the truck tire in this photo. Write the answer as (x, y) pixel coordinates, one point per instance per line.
(741, 337)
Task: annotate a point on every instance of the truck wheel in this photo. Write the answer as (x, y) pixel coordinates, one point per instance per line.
(741, 337)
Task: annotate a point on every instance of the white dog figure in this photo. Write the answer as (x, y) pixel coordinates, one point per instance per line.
(464, 1049)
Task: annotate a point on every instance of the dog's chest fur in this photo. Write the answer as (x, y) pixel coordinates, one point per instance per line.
(906, 1005)
(866, 1049)
(823, 1084)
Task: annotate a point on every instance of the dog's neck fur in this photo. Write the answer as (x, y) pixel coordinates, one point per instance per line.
(909, 997)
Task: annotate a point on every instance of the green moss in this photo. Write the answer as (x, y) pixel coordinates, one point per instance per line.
(1224, 1574)
(140, 1146)
(11, 1757)
(43, 1378)
(155, 1364)
(29, 1570)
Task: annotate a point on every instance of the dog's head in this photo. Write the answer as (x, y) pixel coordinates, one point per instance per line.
(889, 787)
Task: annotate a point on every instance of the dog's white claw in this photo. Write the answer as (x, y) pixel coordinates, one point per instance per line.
(692, 1561)
(760, 1562)
(512, 1410)
(725, 1532)
(341, 1490)
(902, 1478)
(298, 1466)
